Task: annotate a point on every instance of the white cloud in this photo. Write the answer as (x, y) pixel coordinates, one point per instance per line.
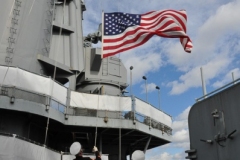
(177, 125)
(224, 22)
(180, 138)
(192, 78)
(181, 121)
(182, 145)
(227, 78)
(151, 87)
(183, 115)
(143, 62)
(213, 50)
(167, 156)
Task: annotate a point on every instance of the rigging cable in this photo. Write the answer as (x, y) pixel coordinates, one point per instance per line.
(95, 141)
(54, 72)
(120, 127)
(120, 114)
(96, 129)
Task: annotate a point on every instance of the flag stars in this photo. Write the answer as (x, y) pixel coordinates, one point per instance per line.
(116, 23)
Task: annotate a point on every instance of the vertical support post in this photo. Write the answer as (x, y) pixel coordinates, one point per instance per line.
(73, 37)
(12, 98)
(233, 78)
(79, 32)
(100, 143)
(145, 78)
(131, 80)
(130, 153)
(203, 83)
(67, 103)
(159, 99)
(146, 147)
(120, 144)
(47, 103)
(133, 109)
(150, 122)
(158, 88)
(146, 91)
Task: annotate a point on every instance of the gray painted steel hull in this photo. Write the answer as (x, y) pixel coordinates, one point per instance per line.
(214, 126)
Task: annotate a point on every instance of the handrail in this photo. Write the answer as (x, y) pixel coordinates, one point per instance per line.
(219, 89)
(9, 94)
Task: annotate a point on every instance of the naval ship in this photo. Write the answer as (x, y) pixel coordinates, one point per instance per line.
(214, 125)
(55, 89)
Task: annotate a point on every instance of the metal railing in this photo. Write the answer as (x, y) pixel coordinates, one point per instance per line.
(219, 90)
(17, 93)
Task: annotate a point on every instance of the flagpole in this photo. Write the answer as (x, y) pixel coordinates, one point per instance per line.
(102, 32)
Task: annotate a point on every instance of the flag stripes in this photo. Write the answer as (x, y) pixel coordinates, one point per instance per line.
(132, 33)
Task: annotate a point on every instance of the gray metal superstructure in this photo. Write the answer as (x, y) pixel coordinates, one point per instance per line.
(214, 125)
(42, 48)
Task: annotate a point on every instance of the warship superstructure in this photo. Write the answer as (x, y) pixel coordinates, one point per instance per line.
(56, 89)
(214, 125)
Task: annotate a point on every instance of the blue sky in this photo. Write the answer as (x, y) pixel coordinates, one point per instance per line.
(213, 26)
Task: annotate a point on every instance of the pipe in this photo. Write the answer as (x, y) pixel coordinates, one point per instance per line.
(73, 37)
(203, 84)
(146, 147)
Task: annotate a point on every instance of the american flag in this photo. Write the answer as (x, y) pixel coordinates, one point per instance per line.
(124, 31)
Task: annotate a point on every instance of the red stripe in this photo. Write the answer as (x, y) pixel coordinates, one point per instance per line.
(125, 49)
(147, 13)
(157, 15)
(134, 31)
(159, 20)
(146, 31)
(157, 32)
(126, 42)
(166, 16)
(109, 40)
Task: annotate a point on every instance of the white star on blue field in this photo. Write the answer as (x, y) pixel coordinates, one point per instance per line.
(116, 23)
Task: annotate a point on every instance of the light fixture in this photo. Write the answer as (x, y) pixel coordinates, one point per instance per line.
(158, 88)
(145, 78)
